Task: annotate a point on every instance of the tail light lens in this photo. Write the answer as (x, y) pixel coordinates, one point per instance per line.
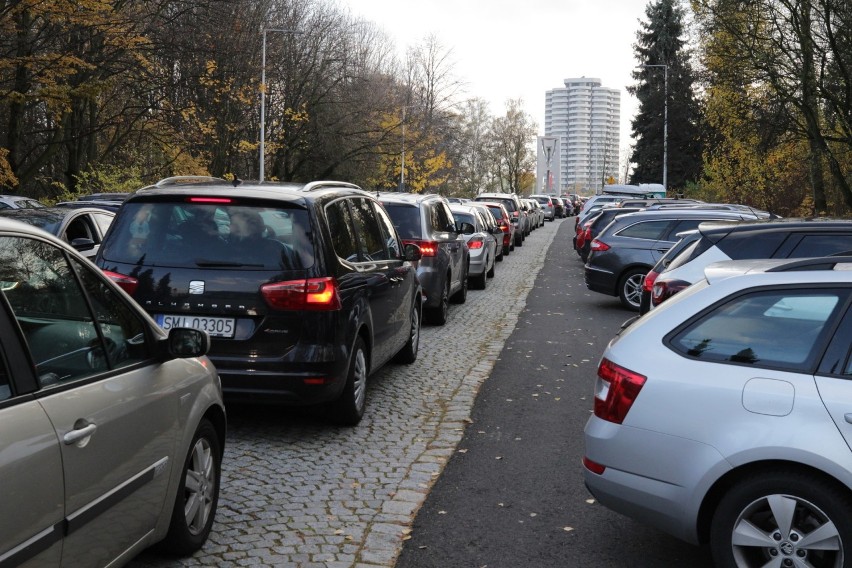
(316, 294)
(427, 248)
(599, 246)
(662, 290)
(126, 283)
(616, 390)
(648, 283)
(475, 243)
(587, 234)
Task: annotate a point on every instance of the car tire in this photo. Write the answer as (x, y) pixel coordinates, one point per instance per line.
(492, 270)
(438, 315)
(766, 516)
(630, 288)
(519, 241)
(408, 353)
(197, 494)
(481, 281)
(348, 409)
(460, 297)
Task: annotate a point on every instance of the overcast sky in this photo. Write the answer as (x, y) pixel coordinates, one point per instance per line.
(506, 49)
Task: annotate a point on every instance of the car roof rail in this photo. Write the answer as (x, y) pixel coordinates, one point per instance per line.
(818, 263)
(187, 180)
(314, 185)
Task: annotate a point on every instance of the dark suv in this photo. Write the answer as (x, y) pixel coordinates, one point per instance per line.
(304, 289)
(426, 221)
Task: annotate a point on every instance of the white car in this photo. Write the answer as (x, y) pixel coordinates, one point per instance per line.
(481, 242)
(724, 416)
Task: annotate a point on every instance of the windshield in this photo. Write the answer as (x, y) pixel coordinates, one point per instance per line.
(406, 219)
(186, 234)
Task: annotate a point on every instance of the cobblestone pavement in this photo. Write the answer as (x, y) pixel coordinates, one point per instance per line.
(299, 492)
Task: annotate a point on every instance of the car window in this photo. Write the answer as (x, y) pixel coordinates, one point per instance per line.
(388, 232)
(103, 220)
(65, 341)
(371, 241)
(406, 219)
(343, 237)
(463, 218)
(442, 218)
(821, 245)
(239, 236)
(78, 228)
(767, 328)
(651, 230)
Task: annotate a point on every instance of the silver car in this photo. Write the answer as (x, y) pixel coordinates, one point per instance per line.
(724, 416)
(481, 243)
(112, 430)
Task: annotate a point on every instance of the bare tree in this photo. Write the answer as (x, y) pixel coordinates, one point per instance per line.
(513, 138)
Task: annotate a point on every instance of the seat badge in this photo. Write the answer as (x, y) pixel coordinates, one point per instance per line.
(196, 287)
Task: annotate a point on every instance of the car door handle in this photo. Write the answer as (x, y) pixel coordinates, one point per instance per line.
(75, 436)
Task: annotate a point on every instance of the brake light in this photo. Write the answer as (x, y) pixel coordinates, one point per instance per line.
(616, 390)
(318, 294)
(427, 248)
(648, 283)
(587, 234)
(592, 466)
(475, 243)
(209, 200)
(516, 214)
(665, 289)
(126, 283)
(599, 246)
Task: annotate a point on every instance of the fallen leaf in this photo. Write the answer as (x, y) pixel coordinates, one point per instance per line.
(442, 512)
(590, 501)
(463, 451)
(568, 529)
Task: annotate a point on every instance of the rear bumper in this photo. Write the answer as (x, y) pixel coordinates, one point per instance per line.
(599, 280)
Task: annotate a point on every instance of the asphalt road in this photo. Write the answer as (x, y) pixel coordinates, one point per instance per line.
(512, 494)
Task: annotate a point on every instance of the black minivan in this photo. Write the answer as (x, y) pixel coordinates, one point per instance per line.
(305, 289)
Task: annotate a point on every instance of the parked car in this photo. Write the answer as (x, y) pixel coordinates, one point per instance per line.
(426, 221)
(19, 202)
(648, 202)
(513, 205)
(83, 228)
(597, 223)
(492, 226)
(684, 240)
(631, 244)
(534, 212)
(305, 289)
(778, 238)
(575, 203)
(559, 207)
(504, 221)
(547, 204)
(722, 417)
(113, 430)
(600, 200)
(112, 206)
(481, 242)
(105, 196)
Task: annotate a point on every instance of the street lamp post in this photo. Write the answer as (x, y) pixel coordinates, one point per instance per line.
(263, 96)
(402, 165)
(665, 121)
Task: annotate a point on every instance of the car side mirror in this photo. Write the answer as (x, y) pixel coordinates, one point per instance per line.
(186, 342)
(412, 252)
(497, 231)
(467, 229)
(82, 243)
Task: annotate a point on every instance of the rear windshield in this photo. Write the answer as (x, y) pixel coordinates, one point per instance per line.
(496, 212)
(463, 218)
(542, 200)
(406, 219)
(509, 204)
(184, 234)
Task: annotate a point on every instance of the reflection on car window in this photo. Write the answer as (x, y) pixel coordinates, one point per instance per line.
(51, 310)
(776, 329)
(651, 230)
(343, 237)
(406, 219)
(372, 243)
(388, 233)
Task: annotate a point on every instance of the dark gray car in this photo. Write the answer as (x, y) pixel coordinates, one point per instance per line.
(631, 244)
(426, 220)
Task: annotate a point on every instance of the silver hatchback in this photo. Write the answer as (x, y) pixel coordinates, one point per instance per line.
(112, 430)
(725, 415)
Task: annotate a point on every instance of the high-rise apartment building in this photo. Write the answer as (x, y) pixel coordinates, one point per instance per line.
(584, 117)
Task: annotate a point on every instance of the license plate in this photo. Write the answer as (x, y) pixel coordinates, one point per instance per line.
(216, 327)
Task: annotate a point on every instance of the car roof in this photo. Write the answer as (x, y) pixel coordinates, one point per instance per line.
(410, 198)
(780, 224)
(679, 214)
(836, 268)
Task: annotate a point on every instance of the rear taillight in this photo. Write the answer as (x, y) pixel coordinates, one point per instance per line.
(318, 294)
(599, 246)
(594, 467)
(475, 243)
(648, 283)
(587, 234)
(126, 283)
(664, 289)
(427, 248)
(516, 214)
(616, 390)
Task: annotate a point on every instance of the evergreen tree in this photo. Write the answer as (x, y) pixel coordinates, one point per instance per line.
(661, 42)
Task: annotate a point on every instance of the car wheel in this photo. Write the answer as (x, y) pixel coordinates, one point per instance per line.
(349, 408)
(630, 288)
(460, 297)
(481, 281)
(197, 494)
(408, 353)
(491, 271)
(782, 518)
(438, 315)
(519, 241)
